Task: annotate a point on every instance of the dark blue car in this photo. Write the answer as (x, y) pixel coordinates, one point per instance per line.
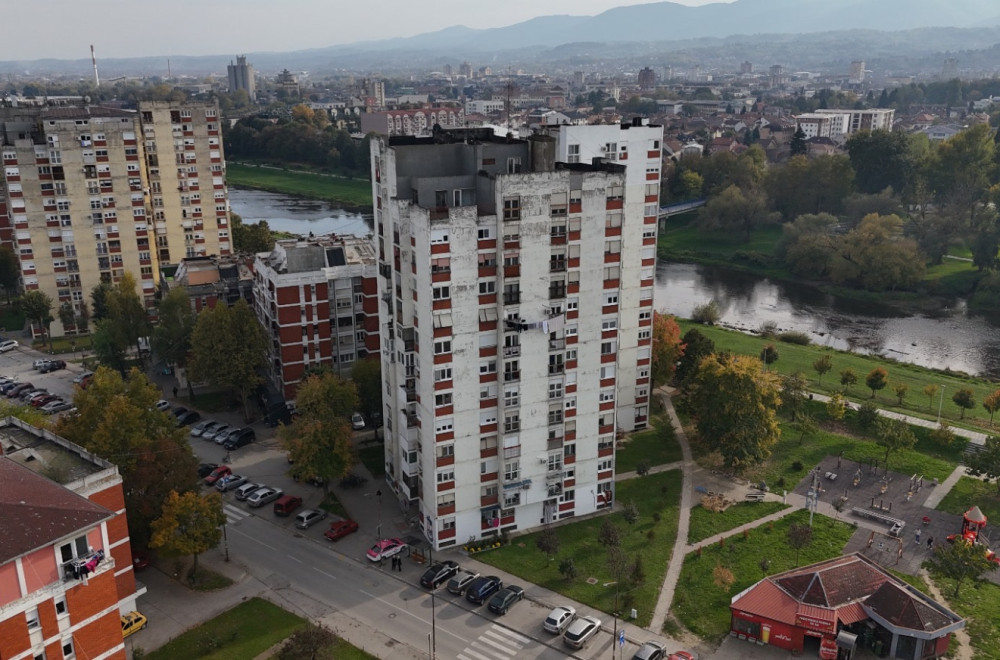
(484, 587)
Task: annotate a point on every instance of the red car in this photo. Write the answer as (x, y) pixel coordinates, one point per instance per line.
(139, 562)
(340, 528)
(218, 473)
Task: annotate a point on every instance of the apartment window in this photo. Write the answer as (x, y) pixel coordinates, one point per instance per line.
(512, 208)
(488, 418)
(573, 153)
(605, 464)
(612, 273)
(489, 491)
(31, 616)
(555, 462)
(489, 443)
(487, 260)
(487, 367)
(555, 389)
(607, 371)
(613, 220)
(511, 500)
(645, 315)
(608, 347)
(616, 192)
(441, 265)
(67, 649)
(485, 233)
(511, 424)
(610, 299)
(442, 319)
(442, 346)
(445, 475)
(514, 165)
(644, 334)
(511, 396)
(652, 188)
(607, 394)
(60, 604)
(442, 374)
(442, 399)
(446, 500)
(487, 287)
(612, 247)
(487, 315)
(511, 470)
(444, 425)
(558, 203)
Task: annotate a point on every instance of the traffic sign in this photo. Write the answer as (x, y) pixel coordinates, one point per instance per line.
(621, 637)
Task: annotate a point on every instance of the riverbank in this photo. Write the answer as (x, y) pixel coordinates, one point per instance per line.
(354, 195)
(797, 358)
(681, 241)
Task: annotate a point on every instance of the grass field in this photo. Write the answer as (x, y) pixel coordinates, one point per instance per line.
(703, 606)
(979, 603)
(245, 631)
(967, 492)
(793, 357)
(351, 192)
(705, 524)
(373, 458)
(656, 446)
(651, 539)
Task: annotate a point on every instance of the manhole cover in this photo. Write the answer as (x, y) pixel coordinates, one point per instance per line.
(592, 580)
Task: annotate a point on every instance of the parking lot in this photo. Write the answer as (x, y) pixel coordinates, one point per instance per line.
(17, 364)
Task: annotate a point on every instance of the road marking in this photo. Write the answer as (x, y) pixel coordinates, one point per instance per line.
(295, 559)
(332, 577)
(463, 656)
(508, 646)
(237, 531)
(421, 620)
(234, 514)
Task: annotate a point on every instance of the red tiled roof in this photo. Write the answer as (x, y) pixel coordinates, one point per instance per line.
(766, 599)
(36, 511)
(852, 613)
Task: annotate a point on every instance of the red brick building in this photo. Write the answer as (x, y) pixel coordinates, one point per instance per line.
(846, 602)
(317, 299)
(65, 558)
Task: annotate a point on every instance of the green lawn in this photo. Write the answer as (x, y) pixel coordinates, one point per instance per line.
(793, 357)
(243, 632)
(353, 192)
(683, 241)
(969, 491)
(656, 446)
(979, 603)
(705, 523)
(703, 607)
(650, 539)
(63, 344)
(373, 458)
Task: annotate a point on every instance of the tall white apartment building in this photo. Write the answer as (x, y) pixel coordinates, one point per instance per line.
(505, 278)
(871, 119)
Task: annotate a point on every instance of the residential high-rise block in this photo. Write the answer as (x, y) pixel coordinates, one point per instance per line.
(241, 76)
(503, 288)
(90, 193)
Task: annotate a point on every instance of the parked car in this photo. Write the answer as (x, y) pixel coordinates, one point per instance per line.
(216, 474)
(581, 630)
(53, 365)
(357, 422)
(55, 406)
(8, 345)
(8, 386)
(40, 401)
(132, 622)
(178, 411)
(140, 562)
(18, 389)
(39, 363)
(340, 528)
(482, 588)
(221, 437)
(198, 429)
(461, 581)
(263, 496)
(230, 482)
(438, 573)
(213, 433)
(505, 599)
(237, 440)
(162, 405)
(309, 517)
(385, 548)
(84, 379)
(683, 655)
(353, 481)
(29, 397)
(247, 489)
(559, 619)
(188, 418)
(651, 651)
(285, 504)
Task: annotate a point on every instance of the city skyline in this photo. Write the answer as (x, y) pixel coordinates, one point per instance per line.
(192, 28)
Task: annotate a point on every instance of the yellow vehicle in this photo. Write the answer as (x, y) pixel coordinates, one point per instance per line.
(132, 622)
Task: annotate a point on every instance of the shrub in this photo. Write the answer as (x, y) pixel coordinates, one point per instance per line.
(707, 314)
(769, 329)
(797, 466)
(800, 338)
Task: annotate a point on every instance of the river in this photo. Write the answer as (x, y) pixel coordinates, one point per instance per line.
(955, 338)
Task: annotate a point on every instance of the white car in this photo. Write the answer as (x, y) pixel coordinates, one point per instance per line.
(263, 496)
(581, 631)
(163, 405)
(357, 421)
(8, 345)
(559, 618)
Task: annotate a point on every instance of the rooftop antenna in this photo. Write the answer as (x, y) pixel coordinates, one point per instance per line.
(93, 58)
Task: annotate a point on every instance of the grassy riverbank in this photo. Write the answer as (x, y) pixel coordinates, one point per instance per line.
(355, 193)
(794, 357)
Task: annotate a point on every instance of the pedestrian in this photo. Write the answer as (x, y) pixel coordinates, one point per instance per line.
(175, 391)
(918, 536)
(930, 543)
(397, 563)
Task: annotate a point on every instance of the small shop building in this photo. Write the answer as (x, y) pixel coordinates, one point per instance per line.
(835, 608)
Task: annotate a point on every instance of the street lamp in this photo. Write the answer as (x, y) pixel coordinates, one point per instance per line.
(940, 405)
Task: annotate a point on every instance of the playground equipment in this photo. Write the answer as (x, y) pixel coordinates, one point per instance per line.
(973, 526)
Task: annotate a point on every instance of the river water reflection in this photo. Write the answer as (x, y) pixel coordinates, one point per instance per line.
(954, 339)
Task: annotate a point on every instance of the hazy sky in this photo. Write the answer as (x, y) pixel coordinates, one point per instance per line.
(65, 29)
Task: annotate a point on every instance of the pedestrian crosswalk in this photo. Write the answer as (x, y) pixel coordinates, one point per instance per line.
(497, 643)
(234, 514)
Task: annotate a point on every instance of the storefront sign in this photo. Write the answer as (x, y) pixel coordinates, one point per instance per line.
(812, 624)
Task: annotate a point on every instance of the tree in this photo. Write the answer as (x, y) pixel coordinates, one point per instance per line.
(99, 299)
(836, 407)
(667, 348)
(893, 435)
(768, 355)
(568, 568)
(992, 403)
(809, 185)
(930, 391)
(793, 393)
(734, 402)
(943, 435)
(251, 239)
(548, 541)
(876, 256)
(190, 525)
(318, 441)
(67, 315)
(610, 535)
(630, 512)
(310, 642)
(696, 347)
(110, 346)
(868, 416)
(821, 366)
(965, 399)
(37, 306)
(963, 168)
(799, 536)
(900, 390)
(877, 379)
(848, 378)
(367, 377)
(10, 270)
(805, 425)
(881, 159)
(123, 323)
(960, 561)
(985, 463)
(229, 350)
(735, 210)
(798, 146)
(172, 336)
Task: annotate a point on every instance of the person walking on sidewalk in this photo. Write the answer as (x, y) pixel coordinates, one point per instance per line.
(918, 536)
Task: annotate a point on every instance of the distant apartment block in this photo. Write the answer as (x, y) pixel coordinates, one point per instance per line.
(418, 122)
(241, 77)
(210, 280)
(65, 556)
(90, 193)
(317, 301)
(484, 106)
(873, 119)
(821, 125)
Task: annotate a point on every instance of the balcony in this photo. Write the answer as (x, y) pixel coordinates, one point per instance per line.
(79, 568)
